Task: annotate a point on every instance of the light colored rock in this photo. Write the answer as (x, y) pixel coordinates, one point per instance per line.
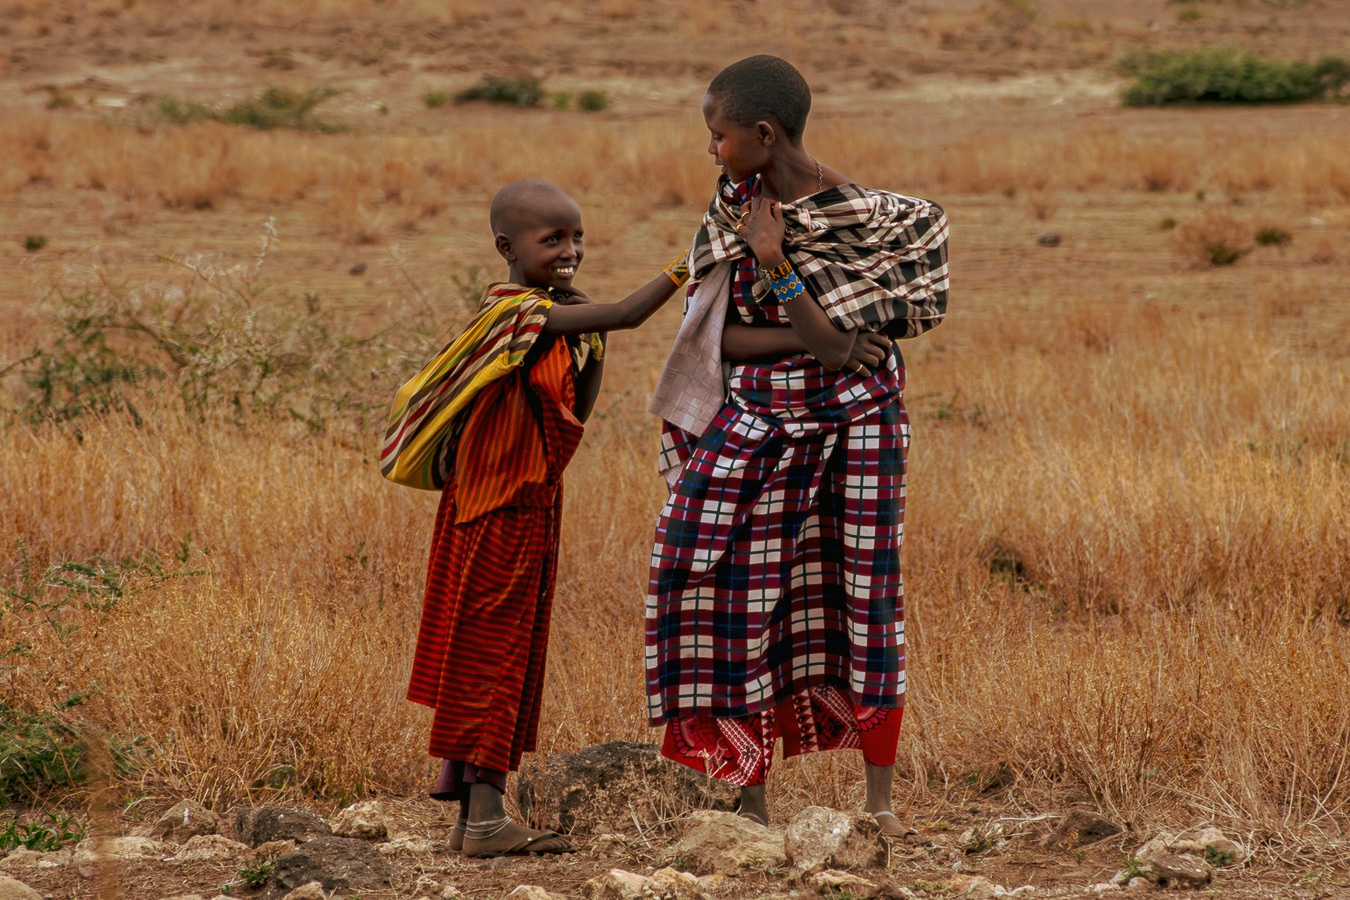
(1208, 843)
(1025, 890)
(90, 851)
(406, 845)
(13, 889)
(21, 858)
(664, 884)
(975, 887)
(450, 892)
(425, 884)
(186, 897)
(616, 884)
(1139, 883)
(365, 820)
(1104, 887)
(273, 849)
(184, 821)
(211, 847)
(311, 891)
(819, 838)
(832, 881)
(531, 892)
(1177, 871)
(725, 843)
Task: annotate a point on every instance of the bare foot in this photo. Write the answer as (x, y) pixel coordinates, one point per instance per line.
(515, 839)
(456, 842)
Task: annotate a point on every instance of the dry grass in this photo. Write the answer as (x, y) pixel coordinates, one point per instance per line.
(1127, 563)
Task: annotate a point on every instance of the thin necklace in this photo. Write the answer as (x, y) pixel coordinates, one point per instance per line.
(820, 175)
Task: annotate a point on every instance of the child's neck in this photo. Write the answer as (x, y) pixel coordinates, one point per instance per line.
(790, 176)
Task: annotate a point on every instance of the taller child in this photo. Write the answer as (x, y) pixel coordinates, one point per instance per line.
(775, 601)
(511, 393)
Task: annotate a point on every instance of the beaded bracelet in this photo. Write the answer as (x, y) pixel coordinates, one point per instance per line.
(784, 282)
(678, 270)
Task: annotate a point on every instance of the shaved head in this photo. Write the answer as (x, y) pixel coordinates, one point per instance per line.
(520, 202)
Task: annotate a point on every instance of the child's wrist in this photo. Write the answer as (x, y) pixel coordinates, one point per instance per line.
(678, 270)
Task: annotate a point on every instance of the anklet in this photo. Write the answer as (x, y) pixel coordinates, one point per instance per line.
(481, 831)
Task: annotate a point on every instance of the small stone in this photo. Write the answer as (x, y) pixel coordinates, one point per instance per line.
(337, 863)
(365, 821)
(407, 845)
(425, 884)
(1139, 883)
(1079, 827)
(664, 884)
(273, 849)
(819, 838)
(358, 269)
(450, 892)
(1049, 239)
(177, 897)
(976, 887)
(1179, 871)
(13, 889)
(312, 890)
(832, 881)
(184, 821)
(531, 892)
(211, 847)
(1103, 887)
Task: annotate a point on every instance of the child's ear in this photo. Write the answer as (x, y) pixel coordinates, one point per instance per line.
(504, 247)
(767, 134)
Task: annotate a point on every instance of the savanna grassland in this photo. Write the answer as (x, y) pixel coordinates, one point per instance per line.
(1128, 529)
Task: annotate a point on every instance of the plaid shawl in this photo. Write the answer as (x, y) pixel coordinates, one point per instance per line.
(872, 259)
(425, 418)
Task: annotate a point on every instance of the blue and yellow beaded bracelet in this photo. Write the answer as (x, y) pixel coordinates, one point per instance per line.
(784, 282)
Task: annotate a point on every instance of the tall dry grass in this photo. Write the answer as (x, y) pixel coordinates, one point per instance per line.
(372, 187)
(1128, 580)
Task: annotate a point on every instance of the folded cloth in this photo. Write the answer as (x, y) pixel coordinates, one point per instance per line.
(693, 384)
(419, 441)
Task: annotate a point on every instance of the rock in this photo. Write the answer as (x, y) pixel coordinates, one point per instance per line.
(819, 838)
(91, 851)
(602, 788)
(264, 824)
(357, 268)
(531, 892)
(1208, 843)
(273, 849)
(1178, 871)
(184, 821)
(664, 884)
(365, 820)
(310, 891)
(832, 881)
(12, 889)
(616, 884)
(723, 842)
(1139, 883)
(407, 845)
(211, 847)
(976, 887)
(1049, 239)
(21, 858)
(1080, 827)
(337, 863)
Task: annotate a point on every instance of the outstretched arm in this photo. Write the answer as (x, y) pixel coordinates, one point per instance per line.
(764, 231)
(630, 312)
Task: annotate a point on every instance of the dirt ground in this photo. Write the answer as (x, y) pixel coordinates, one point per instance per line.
(928, 72)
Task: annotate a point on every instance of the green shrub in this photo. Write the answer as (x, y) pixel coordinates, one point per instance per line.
(435, 99)
(275, 107)
(593, 101)
(524, 91)
(282, 108)
(34, 242)
(1273, 237)
(37, 753)
(1222, 75)
(559, 100)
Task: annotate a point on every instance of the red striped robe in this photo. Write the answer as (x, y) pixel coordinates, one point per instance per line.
(481, 648)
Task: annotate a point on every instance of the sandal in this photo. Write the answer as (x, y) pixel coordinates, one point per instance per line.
(751, 816)
(905, 833)
(482, 831)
